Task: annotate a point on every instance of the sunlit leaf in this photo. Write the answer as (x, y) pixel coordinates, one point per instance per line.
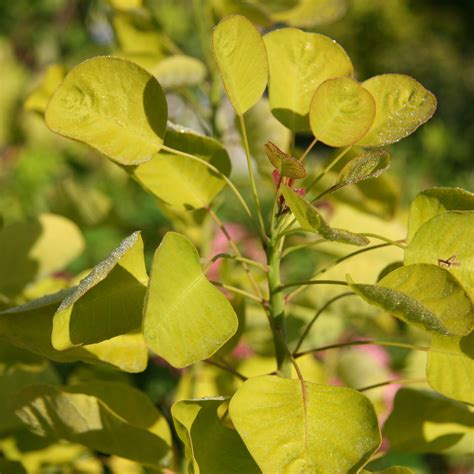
(450, 367)
(367, 166)
(402, 105)
(435, 201)
(112, 105)
(108, 302)
(209, 445)
(186, 319)
(36, 248)
(311, 220)
(424, 295)
(125, 4)
(179, 71)
(341, 112)
(431, 423)
(298, 63)
(286, 164)
(254, 11)
(29, 327)
(38, 98)
(446, 240)
(179, 181)
(110, 417)
(242, 60)
(288, 427)
(310, 13)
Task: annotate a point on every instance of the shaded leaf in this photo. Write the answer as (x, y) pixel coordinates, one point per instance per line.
(12, 467)
(435, 201)
(450, 367)
(179, 71)
(110, 417)
(424, 295)
(30, 326)
(341, 112)
(446, 240)
(298, 63)
(209, 445)
(186, 319)
(391, 470)
(15, 376)
(179, 181)
(36, 248)
(310, 13)
(37, 100)
(286, 164)
(311, 220)
(108, 302)
(240, 54)
(431, 423)
(288, 427)
(402, 105)
(112, 105)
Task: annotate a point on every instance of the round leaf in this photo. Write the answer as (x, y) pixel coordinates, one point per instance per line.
(179, 71)
(112, 105)
(186, 319)
(310, 13)
(292, 427)
(242, 60)
(298, 63)
(450, 367)
(402, 105)
(341, 112)
(446, 240)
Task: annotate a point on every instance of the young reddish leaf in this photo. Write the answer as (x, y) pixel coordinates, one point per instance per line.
(286, 164)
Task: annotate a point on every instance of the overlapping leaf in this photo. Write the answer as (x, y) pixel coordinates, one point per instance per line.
(179, 71)
(446, 240)
(30, 326)
(435, 201)
(291, 427)
(110, 417)
(182, 182)
(112, 105)
(402, 105)
(431, 423)
(186, 319)
(107, 303)
(424, 295)
(341, 112)
(242, 60)
(298, 63)
(210, 446)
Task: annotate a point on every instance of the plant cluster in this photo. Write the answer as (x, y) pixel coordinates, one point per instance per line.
(187, 311)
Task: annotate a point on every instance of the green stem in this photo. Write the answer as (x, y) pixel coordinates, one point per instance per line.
(294, 248)
(227, 368)
(236, 250)
(311, 282)
(316, 316)
(217, 171)
(396, 243)
(391, 382)
(401, 345)
(327, 169)
(253, 186)
(277, 311)
(308, 149)
(248, 261)
(236, 290)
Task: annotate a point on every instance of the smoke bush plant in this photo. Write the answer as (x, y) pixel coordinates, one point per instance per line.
(279, 420)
